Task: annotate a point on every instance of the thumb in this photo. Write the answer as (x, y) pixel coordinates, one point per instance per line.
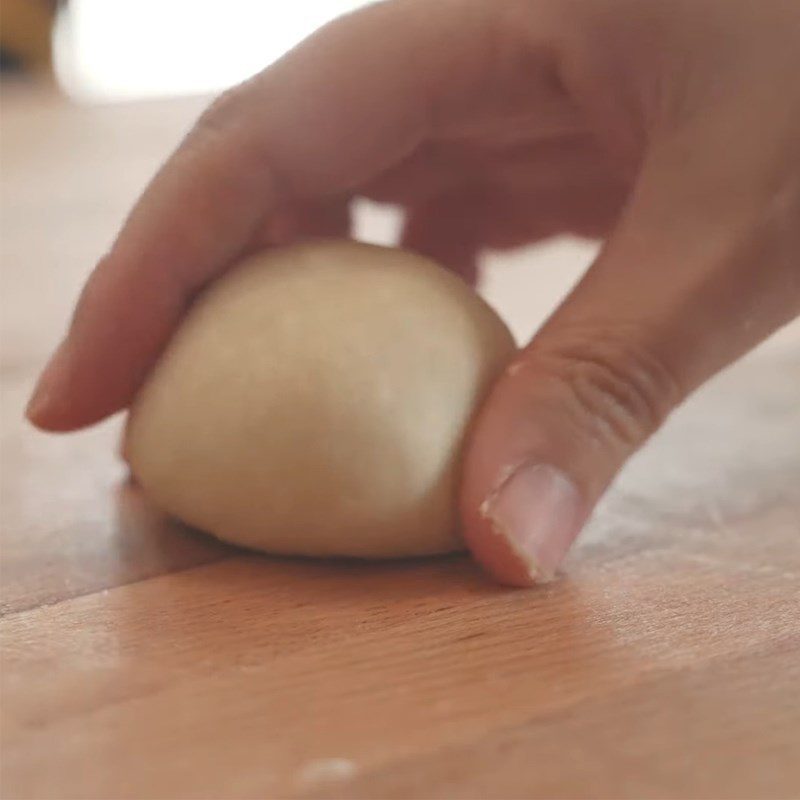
(698, 272)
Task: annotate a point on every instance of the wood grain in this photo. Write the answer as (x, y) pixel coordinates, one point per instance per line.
(143, 660)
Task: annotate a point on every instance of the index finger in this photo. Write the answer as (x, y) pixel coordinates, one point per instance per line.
(350, 101)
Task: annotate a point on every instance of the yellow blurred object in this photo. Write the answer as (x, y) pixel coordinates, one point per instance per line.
(25, 29)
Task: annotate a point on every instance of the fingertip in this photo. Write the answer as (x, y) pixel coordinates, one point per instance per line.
(494, 554)
(484, 539)
(41, 405)
(522, 531)
(64, 400)
(53, 415)
(520, 512)
(36, 409)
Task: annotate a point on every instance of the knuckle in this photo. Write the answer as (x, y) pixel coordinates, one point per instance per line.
(220, 113)
(228, 142)
(234, 110)
(616, 388)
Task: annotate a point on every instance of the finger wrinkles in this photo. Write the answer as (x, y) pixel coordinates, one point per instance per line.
(615, 388)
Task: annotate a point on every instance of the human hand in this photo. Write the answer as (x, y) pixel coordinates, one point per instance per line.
(670, 128)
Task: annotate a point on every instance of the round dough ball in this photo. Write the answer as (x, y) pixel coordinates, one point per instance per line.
(315, 400)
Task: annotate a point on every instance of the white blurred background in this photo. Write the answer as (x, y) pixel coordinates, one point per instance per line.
(110, 50)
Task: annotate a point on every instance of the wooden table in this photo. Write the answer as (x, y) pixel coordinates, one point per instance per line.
(141, 660)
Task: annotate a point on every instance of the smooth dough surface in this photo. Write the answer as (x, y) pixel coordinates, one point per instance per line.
(315, 400)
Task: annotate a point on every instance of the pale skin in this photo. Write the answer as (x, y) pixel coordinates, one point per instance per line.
(668, 128)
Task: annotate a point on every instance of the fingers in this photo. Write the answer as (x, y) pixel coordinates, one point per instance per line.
(499, 199)
(454, 227)
(700, 269)
(326, 219)
(444, 229)
(339, 109)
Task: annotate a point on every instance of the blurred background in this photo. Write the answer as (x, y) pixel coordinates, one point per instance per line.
(113, 50)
